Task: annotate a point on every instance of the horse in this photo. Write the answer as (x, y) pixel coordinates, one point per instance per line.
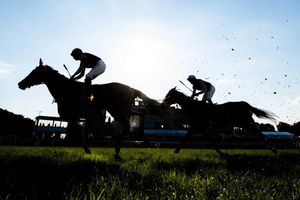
(114, 97)
(210, 118)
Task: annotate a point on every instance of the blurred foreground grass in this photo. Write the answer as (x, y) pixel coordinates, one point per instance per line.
(68, 173)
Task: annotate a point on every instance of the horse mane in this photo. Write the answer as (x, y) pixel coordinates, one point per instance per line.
(178, 90)
(55, 72)
(51, 70)
(185, 97)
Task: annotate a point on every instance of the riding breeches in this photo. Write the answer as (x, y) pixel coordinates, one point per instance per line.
(208, 95)
(98, 69)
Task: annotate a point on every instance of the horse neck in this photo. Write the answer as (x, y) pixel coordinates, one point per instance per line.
(183, 100)
(57, 86)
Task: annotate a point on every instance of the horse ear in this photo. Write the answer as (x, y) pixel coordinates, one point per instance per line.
(41, 62)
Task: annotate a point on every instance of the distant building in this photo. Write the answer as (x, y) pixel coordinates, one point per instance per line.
(281, 139)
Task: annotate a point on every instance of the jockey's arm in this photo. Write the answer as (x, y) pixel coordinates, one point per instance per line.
(79, 73)
(198, 93)
(195, 93)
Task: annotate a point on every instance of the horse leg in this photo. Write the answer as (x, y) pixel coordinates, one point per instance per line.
(84, 142)
(183, 141)
(73, 128)
(117, 147)
(119, 136)
(220, 152)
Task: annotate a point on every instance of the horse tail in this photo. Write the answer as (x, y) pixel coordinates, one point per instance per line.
(147, 100)
(151, 104)
(260, 113)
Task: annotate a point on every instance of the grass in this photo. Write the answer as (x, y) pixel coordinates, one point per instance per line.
(68, 173)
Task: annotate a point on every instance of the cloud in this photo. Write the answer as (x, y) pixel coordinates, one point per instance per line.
(5, 68)
(296, 101)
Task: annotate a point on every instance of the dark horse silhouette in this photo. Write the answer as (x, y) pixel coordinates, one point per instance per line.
(116, 98)
(211, 118)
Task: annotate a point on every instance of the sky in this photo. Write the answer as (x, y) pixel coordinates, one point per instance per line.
(248, 49)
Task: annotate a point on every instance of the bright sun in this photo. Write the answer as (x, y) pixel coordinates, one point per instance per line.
(145, 56)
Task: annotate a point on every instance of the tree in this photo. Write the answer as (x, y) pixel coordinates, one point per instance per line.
(12, 124)
(282, 126)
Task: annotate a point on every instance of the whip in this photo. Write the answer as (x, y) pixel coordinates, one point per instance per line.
(185, 85)
(67, 70)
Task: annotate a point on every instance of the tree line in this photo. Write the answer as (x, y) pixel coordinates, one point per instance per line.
(292, 128)
(13, 125)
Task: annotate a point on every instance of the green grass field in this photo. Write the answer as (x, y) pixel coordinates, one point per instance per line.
(68, 173)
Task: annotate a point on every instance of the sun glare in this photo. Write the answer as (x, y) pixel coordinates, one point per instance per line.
(143, 57)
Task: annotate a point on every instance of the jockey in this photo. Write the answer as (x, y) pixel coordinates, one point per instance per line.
(205, 88)
(87, 60)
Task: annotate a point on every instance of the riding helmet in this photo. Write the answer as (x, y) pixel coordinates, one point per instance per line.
(191, 77)
(76, 52)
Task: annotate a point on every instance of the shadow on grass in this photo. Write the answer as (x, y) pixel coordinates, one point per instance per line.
(188, 166)
(37, 178)
(41, 178)
(266, 165)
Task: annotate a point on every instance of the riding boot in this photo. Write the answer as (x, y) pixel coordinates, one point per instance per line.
(87, 87)
(86, 93)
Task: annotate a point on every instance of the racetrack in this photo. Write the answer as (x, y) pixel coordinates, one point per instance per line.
(68, 173)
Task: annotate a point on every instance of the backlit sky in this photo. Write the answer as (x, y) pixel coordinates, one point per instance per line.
(248, 49)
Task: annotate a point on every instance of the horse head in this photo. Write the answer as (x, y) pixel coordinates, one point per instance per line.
(36, 77)
(172, 97)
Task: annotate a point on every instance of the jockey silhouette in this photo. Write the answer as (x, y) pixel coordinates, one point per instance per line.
(87, 60)
(205, 88)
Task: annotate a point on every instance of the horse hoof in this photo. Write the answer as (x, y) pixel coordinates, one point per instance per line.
(88, 151)
(176, 150)
(117, 157)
